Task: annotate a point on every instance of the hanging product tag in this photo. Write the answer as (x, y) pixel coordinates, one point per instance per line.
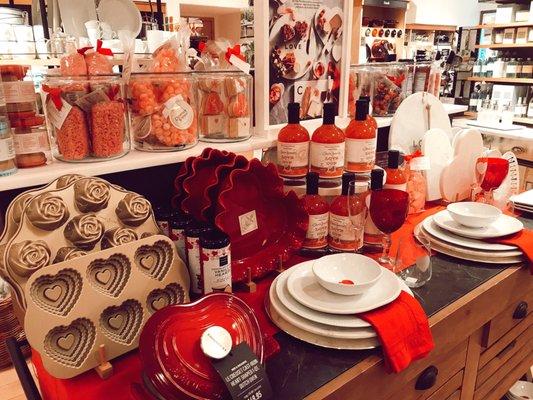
(243, 374)
(242, 65)
(420, 164)
(87, 102)
(57, 117)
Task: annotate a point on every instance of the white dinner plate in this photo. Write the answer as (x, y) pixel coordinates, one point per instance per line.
(433, 229)
(317, 340)
(304, 287)
(503, 226)
(315, 327)
(341, 321)
(120, 15)
(457, 253)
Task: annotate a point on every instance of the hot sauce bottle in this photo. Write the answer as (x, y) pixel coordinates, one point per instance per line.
(373, 237)
(327, 146)
(369, 117)
(396, 177)
(342, 235)
(293, 146)
(318, 210)
(360, 140)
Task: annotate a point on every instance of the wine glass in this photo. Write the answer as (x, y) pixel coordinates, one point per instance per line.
(357, 192)
(388, 210)
(490, 173)
(413, 262)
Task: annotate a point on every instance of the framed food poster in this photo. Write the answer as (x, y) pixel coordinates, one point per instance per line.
(302, 55)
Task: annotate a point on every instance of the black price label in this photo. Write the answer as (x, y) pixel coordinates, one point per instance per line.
(243, 374)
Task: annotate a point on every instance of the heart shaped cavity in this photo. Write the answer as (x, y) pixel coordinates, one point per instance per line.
(69, 345)
(58, 293)
(154, 260)
(173, 293)
(122, 323)
(109, 276)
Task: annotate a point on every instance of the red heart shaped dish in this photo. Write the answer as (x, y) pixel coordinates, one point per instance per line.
(174, 365)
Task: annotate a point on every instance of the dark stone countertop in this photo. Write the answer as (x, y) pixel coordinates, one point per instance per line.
(301, 368)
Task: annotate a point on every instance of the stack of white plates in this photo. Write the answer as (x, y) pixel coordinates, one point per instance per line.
(523, 201)
(301, 307)
(449, 237)
(520, 390)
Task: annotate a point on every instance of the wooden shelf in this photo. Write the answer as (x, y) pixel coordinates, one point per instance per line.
(504, 46)
(426, 27)
(515, 81)
(503, 26)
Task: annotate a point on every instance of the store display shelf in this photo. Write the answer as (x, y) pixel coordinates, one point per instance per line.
(426, 27)
(515, 81)
(502, 26)
(54, 62)
(504, 46)
(135, 159)
(517, 120)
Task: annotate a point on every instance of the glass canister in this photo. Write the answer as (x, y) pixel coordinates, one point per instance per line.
(87, 117)
(30, 137)
(388, 88)
(163, 111)
(225, 106)
(416, 164)
(360, 84)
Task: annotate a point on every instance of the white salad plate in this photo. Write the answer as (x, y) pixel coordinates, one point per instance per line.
(315, 327)
(435, 232)
(318, 340)
(304, 287)
(120, 15)
(505, 225)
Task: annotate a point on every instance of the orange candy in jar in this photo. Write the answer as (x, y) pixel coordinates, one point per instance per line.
(416, 184)
(163, 111)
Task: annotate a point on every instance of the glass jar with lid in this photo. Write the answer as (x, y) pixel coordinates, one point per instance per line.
(87, 117)
(225, 106)
(510, 69)
(388, 91)
(163, 111)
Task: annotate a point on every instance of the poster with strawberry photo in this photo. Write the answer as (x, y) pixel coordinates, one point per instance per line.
(305, 48)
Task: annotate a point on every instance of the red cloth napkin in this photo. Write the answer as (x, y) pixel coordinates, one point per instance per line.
(403, 330)
(523, 240)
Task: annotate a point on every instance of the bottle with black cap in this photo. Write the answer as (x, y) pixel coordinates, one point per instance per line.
(216, 261)
(361, 141)
(341, 233)
(293, 146)
(193, 231)
(396, 177)
(327, 146)
(318, 210)
(178, 222)
(373, 237)
(162, 218)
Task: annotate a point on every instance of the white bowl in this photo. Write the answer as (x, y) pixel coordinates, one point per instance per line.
(522, 390)
(331, 270)
(474, 215)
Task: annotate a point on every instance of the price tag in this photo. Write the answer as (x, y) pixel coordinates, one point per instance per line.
(243, 374)
(57, 117)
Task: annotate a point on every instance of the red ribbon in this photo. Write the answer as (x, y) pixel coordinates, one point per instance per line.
(112, 92)
(201, 47)
(409, 157)
(55, 95)
(236, 51)
(83, 50)
(101, 50)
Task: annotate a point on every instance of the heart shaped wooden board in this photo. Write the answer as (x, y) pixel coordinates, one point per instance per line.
(100, 298)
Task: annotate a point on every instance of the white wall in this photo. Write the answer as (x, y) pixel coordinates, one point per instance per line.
(446, 12)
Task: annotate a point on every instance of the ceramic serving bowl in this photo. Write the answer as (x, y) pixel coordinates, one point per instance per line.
(346, 273)
(521, 390)
(474, 215)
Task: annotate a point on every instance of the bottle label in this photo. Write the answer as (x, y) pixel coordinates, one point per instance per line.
(397, 186)
(370, 227)
(346, 233)
(195, 268)
(216, 269)
(55, 116)
(7, 149)
(317, 232)
(361, 150)
(29, 143)
(327, 159)
(293, 158)
(19, 92)
(178, 237)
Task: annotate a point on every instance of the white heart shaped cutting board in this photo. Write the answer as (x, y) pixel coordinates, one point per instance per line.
(410, 121)
(437, 148)
(459, 175)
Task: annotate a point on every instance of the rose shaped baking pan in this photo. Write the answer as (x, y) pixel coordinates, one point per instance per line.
(200, 179)
(173, 362)
(263, 223)
(183, 173)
